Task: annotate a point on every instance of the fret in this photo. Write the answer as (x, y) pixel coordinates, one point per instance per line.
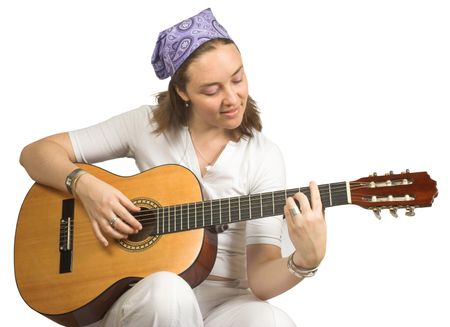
(220, 212)
(329, 195)
(181, 217)
(157, 220)
(273, 204)
(168, 218)
(195, 205)
(203, 214)
(261, 204)
(163, 220)
(175, 218)
(178, 214)
(229, 210)
(249, 206)
(211, 205)
(239, 207)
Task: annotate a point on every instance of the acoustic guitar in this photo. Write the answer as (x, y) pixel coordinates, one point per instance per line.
(63, 272)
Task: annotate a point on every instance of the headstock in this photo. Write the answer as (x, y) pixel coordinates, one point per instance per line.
(394, 191)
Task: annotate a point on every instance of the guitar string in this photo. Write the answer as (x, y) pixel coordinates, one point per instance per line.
(278, 196)
(265, 199)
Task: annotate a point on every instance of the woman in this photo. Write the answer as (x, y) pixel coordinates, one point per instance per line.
(207, 122)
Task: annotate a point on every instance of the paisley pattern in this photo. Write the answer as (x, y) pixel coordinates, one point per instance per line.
(175, 44)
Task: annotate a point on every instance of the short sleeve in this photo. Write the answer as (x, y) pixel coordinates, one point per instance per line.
(269, 176)
(113, 138)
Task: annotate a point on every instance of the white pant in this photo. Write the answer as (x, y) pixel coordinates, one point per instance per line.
(164, 299)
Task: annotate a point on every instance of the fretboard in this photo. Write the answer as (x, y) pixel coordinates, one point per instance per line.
(187, 216)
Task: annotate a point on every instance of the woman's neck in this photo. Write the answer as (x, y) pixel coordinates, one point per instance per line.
(207, 133)
(208, 142)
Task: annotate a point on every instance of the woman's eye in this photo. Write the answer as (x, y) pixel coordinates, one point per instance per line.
(238, 77)
(210, 93)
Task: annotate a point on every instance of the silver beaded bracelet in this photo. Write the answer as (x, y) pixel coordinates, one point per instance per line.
(299, 271)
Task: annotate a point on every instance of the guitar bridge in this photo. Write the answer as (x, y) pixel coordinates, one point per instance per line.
(66, 236)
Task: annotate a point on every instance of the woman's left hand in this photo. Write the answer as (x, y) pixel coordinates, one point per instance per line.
(307, 228)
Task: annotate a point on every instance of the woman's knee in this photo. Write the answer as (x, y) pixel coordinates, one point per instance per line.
(161, 299)
(162, 285)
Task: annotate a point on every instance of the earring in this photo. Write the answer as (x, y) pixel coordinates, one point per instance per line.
(187, 104)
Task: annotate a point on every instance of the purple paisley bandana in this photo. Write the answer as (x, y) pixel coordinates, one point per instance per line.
(176, 43)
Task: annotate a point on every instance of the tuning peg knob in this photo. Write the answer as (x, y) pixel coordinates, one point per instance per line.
(376, 212)
(410, 212)
(393, 212)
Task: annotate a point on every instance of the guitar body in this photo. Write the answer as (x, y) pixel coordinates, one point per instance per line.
(95, 276)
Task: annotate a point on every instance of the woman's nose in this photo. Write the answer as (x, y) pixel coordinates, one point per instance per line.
(231, 96)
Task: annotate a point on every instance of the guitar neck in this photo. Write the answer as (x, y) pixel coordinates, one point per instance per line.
(187, 216)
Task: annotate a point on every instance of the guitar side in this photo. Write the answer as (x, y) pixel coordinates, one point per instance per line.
(99, 275)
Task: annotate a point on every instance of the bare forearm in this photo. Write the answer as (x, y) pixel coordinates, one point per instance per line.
(49, 161)
(267, 271)
(272, 278)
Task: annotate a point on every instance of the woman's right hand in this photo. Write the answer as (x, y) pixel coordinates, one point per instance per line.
(102, 203)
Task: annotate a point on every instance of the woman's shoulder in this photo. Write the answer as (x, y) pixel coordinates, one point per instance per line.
(143, 111)
(136, 118)
(260, 141)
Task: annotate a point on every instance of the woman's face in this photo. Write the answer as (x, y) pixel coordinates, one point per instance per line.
(217, 89)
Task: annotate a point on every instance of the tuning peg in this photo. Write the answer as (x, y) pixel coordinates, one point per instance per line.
(376, 212)
(389, 173)
(410, 212)
(405, 172)
(393, 212)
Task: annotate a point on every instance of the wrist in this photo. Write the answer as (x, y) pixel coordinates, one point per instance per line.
(73, 178)
(305, 263)
(81, 184)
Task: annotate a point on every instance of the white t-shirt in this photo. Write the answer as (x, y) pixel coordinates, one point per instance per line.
(251, 165)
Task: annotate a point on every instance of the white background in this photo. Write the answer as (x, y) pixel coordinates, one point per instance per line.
(345, 88)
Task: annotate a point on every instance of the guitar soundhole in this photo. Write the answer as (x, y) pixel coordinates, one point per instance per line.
(146, 237)
(148, 222)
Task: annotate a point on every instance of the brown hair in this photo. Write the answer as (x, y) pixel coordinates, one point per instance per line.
(171, 111)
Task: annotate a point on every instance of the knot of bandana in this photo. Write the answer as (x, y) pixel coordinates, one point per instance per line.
(175, 44)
